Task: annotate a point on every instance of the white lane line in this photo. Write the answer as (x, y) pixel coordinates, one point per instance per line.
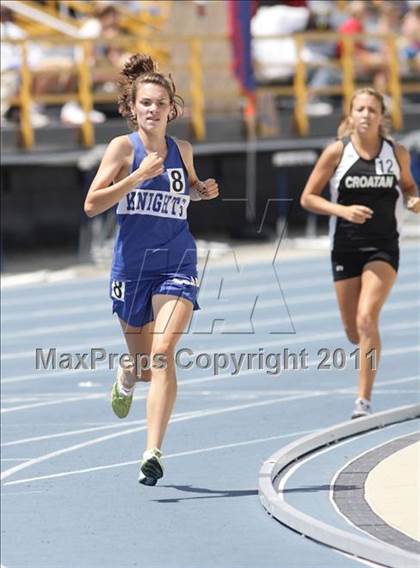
(108, 342)
(302, 340)
(399, 391)
(14, 493)
(15, 399)
(227, 291)
(41, 375)
(79, 347)
(233, 277)
(356, 559)
(60, 374)
(198, 414)
(326, 314)
(379, 384)
(385, 382)
(221, 306)
(42, 396)
(7, 473)
(169, 456)
(15, 459)
(52, 402)
(311, 363)
(187, 382)
(86, 430)
(212, 273)
(215, 271)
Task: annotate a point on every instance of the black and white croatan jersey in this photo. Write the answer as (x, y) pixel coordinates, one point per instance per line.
(375, 184)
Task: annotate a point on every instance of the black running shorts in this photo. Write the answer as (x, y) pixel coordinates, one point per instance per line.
(350, 264)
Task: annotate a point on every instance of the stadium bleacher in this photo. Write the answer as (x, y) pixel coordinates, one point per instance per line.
(64, 109)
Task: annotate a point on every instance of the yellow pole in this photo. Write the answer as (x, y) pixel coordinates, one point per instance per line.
(394, 84)
(85, 96)
(196, 89)
(26, 131)
(348, 72)
(300, 89)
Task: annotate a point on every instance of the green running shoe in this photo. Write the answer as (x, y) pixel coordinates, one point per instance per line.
(151, 468)
(120, 404)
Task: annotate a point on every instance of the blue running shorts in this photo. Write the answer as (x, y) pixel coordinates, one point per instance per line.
(132, 299)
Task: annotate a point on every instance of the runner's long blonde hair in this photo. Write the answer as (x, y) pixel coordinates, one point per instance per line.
(345, 128)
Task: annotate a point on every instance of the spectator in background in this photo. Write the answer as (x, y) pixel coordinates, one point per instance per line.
(275, 59)
(370, 60)
(11, 61)
(410, 43)
(105, 60)
(106, 25)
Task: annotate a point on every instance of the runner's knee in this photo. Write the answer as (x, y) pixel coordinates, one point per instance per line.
(352, 334)
(367, 324)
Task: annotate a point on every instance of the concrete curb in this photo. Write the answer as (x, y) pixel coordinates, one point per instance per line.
(378, 552)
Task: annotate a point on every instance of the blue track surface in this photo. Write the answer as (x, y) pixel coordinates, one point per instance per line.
(70, 491)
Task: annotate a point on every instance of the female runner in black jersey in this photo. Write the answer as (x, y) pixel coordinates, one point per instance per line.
(369, 179)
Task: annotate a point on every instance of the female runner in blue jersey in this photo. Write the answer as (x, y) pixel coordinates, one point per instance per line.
(150, 177)
(369, 179)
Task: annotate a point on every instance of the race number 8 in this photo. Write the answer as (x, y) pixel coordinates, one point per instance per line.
(118, 290)
(176, 180)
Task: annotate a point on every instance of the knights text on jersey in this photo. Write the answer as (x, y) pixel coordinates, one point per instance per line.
(374, 184)
(153, 235)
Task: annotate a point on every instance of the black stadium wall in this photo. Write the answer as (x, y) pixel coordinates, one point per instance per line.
(42, 197)
(42, 200)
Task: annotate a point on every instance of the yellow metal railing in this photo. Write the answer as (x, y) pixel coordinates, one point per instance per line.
(394, 84)
(85, 96)
(193, 64)
(300, 90)
(26, 131)
(197, 90)
(348, 71)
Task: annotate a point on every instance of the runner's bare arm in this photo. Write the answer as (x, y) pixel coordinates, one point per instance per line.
(207, 189)
(103, 193)
(312, 199)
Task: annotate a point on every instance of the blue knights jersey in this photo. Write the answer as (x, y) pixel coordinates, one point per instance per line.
(153, 235)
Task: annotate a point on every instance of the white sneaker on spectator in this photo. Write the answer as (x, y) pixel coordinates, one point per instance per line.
(318, 108)
(38, 118)
(72, 113)
(97, 117)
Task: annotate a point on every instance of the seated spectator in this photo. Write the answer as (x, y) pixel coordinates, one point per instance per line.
(105, 59)
(409, 43)
(275, 59)
(106, 26)
(11, 60)
(370, 61)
